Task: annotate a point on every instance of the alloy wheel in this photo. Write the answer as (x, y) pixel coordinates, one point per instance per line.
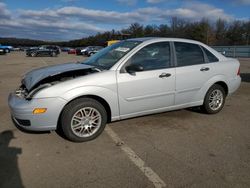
(86, 122)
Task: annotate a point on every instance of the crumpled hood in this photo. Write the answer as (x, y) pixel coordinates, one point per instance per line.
(33, 77)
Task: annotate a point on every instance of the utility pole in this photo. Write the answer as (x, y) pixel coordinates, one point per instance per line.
(207, 35)
(247, 38)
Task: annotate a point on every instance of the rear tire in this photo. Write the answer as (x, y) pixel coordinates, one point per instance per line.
(214, 99)
(83, 120)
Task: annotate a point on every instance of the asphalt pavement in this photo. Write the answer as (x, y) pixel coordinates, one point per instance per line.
(182, 148)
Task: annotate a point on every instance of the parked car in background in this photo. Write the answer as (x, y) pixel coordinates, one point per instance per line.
(87, 49)
(16, 49)
(92, 50)
(2, 51)
(84, 50)
(31, 48)
(7, 49)
(46, 50)
(23, 48)
(131, 78)
(65, 49)
(80, 50)
(72, 51)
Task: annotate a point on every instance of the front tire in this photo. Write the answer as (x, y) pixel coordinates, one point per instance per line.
(33, 54)
(214, 99)
(53, 54)
(83, 120)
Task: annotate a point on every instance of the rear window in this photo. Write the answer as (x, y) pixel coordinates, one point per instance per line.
(211, 57)
(188, 54)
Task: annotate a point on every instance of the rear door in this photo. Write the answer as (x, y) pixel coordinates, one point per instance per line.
(192, 72)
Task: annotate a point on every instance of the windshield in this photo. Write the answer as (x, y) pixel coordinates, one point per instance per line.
(108, 56)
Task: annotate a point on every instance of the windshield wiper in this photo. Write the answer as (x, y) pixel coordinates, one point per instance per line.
(100, 67)
(95, 68)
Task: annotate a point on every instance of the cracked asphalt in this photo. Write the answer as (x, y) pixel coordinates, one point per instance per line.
(185, 148)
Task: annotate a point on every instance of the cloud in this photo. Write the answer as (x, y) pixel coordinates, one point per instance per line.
(155, 1)
(100, 16)
(195, 11)
(46, 24)
(127, 2)
(4, 13)
(72, 22)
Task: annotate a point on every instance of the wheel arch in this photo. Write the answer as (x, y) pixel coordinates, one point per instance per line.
(95, 97)
(223, 85)
(218, 79)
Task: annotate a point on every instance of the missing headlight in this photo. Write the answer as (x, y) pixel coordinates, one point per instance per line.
(34, 91)
(21, 92)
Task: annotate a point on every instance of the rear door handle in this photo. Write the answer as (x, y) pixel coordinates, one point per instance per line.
(204, 69)
(164, 75)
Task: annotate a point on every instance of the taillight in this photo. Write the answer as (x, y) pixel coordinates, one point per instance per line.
(238, 73)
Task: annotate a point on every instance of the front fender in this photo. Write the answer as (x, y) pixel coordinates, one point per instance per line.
(107, 94)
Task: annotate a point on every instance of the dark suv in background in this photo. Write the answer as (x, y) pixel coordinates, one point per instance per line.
(45, 50)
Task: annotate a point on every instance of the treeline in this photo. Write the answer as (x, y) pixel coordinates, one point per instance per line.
(220, 32)
(22, 42)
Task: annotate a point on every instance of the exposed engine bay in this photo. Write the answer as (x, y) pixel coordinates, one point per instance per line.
(26, 93)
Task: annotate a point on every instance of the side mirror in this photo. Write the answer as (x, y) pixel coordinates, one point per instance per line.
(131, 69)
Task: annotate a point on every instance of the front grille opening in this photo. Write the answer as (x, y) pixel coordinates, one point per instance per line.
(23, 122)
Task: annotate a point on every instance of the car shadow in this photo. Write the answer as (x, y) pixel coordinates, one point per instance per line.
(245, 77)
(9, 171)
(196, 109)
(59, 130)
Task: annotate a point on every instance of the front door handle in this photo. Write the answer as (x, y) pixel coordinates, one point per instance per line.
(204, 69)
(164, 75)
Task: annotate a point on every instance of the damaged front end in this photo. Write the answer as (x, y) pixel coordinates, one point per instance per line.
(42, 78)
(22, 91)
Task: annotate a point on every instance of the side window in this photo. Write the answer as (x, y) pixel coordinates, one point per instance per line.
(153, 56)
(188, 54)
(211, 57)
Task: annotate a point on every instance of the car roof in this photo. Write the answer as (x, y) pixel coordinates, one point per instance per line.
(151, 39)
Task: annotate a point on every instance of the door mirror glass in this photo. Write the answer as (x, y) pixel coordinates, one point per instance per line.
(131, 69)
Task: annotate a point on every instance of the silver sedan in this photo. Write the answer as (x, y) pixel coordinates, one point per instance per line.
(131, 78)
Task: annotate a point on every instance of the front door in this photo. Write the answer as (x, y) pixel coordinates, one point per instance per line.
(150, 89)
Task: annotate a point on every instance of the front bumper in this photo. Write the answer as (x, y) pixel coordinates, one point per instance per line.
(22, 112)
(2, 52)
